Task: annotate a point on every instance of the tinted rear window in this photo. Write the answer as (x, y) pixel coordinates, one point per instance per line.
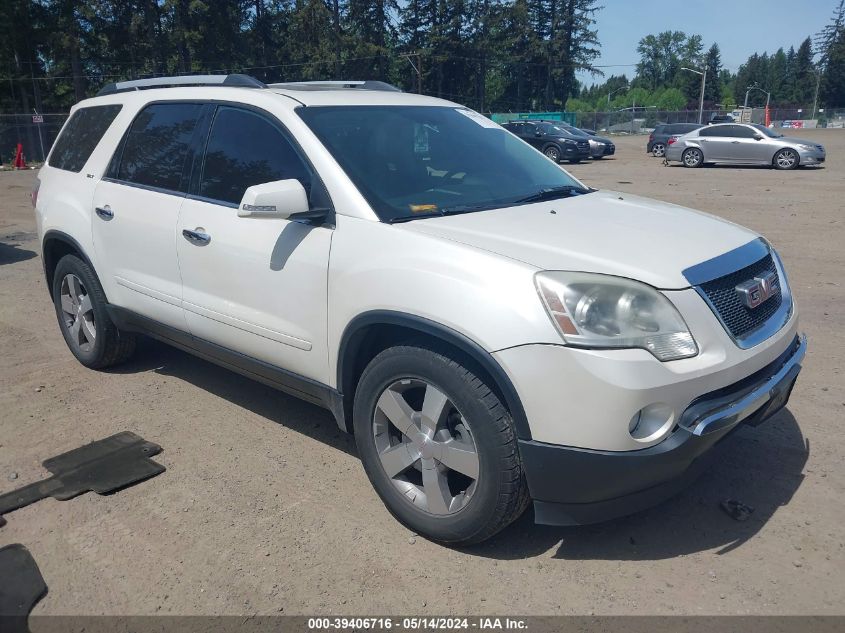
(80, 136)
(155, 150)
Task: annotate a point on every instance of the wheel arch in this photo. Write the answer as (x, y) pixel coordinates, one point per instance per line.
(783, 147)
(552, 144)
(54, 246)
(372, 332)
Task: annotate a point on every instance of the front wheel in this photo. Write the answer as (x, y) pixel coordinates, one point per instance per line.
(552, 153)
(692, 157)
(438, 446)
(786, 159)
(81, 310)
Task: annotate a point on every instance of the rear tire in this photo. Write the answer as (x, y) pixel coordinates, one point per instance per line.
(658, 150)
(786, 159)
(453, 474)
(83, 319)
(692, 157)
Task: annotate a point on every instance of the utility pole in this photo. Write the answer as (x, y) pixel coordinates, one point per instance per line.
(417, 68)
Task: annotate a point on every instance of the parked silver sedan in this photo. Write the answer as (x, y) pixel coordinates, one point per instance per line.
(744, 144)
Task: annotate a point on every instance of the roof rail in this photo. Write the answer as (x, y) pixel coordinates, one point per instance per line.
(336, 85)
(235, 81)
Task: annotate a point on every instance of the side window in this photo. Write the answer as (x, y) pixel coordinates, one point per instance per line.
(740, 131)
(157, 145)
(711, 131)
(81, 135)
(245, 149)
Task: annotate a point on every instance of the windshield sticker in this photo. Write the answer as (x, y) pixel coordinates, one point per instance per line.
(422, 208)
(482, 120)
(420, 139)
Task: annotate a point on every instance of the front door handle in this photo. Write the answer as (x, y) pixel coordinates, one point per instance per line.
(734, 142)
(104, 212)
(198, 236)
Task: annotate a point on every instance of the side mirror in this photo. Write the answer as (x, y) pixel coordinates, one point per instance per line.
(538, 133)
(279, 199)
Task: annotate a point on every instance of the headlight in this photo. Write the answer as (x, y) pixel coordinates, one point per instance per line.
(809, 148)
(601, 311)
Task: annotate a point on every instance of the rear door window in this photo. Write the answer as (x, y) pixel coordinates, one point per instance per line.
(81, 134)
(156, 148)
(246, 148)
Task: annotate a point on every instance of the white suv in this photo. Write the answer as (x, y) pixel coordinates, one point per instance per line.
(491, 330)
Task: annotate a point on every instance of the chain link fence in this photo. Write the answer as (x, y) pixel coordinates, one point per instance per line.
(35, 132)
(641, 120)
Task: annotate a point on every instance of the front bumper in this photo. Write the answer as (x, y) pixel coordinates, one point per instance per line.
(572, 486)
(811, 157)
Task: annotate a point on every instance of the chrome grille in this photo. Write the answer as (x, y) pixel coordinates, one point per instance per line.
(739, 319)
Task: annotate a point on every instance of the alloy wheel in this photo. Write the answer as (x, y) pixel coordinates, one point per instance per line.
(692, 158)
(658, 149)
(786, 159)
(553, 154)
(425, 446)
(78, 312)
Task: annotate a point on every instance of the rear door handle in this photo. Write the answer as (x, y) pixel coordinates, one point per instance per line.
(734, 142)
(197, 236)
(104, 212)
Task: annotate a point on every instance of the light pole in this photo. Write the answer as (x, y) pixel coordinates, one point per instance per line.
(701, 98)
(755, 87)
(613, 92)
(816, 97)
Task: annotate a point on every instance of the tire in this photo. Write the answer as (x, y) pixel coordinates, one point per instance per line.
(658, 150)
(692, 157)
(84, 322)
(786, 159)
(484, 492)
(552, 153)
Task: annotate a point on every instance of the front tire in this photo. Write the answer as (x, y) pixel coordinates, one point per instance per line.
(552, 153)
(438, 446)
(786, 159)
(692, 157)
(85, 324)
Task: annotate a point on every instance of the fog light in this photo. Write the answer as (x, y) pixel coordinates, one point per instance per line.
(652, 422)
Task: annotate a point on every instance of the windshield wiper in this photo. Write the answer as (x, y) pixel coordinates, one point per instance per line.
(553, 193)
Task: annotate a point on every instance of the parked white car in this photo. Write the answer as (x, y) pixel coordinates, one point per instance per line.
(492, 330)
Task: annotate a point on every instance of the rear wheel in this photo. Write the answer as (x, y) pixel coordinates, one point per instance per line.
(438, 446)
(658, 149)
(786, 159)
(81, 310)
(553, 153)
(692, 157)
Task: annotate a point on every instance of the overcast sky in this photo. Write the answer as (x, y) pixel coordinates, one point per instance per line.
(740, 27)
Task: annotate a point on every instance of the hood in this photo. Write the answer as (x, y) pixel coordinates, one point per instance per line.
(602, 232)
(798, 141)
(602, 139)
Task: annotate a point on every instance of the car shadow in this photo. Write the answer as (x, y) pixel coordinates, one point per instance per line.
(12, 254)
(760, 467)
(276, 406)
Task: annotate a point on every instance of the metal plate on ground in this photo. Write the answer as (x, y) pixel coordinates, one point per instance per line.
(21, 586)
(103, 466)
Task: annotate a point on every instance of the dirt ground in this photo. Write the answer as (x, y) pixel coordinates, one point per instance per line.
(264, 507)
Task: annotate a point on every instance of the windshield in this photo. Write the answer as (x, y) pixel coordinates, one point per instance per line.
(766, 131)
(419, 161)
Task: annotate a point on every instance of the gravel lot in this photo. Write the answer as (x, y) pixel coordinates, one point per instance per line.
(264, 507)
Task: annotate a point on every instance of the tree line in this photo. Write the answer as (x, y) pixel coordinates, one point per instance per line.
(787, 78)
(490, 54)
(493, 55)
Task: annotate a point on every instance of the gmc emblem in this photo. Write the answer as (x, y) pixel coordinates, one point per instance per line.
(755, 291)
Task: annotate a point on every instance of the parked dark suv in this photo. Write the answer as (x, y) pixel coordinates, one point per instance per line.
(659, 139)
(555, 142)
